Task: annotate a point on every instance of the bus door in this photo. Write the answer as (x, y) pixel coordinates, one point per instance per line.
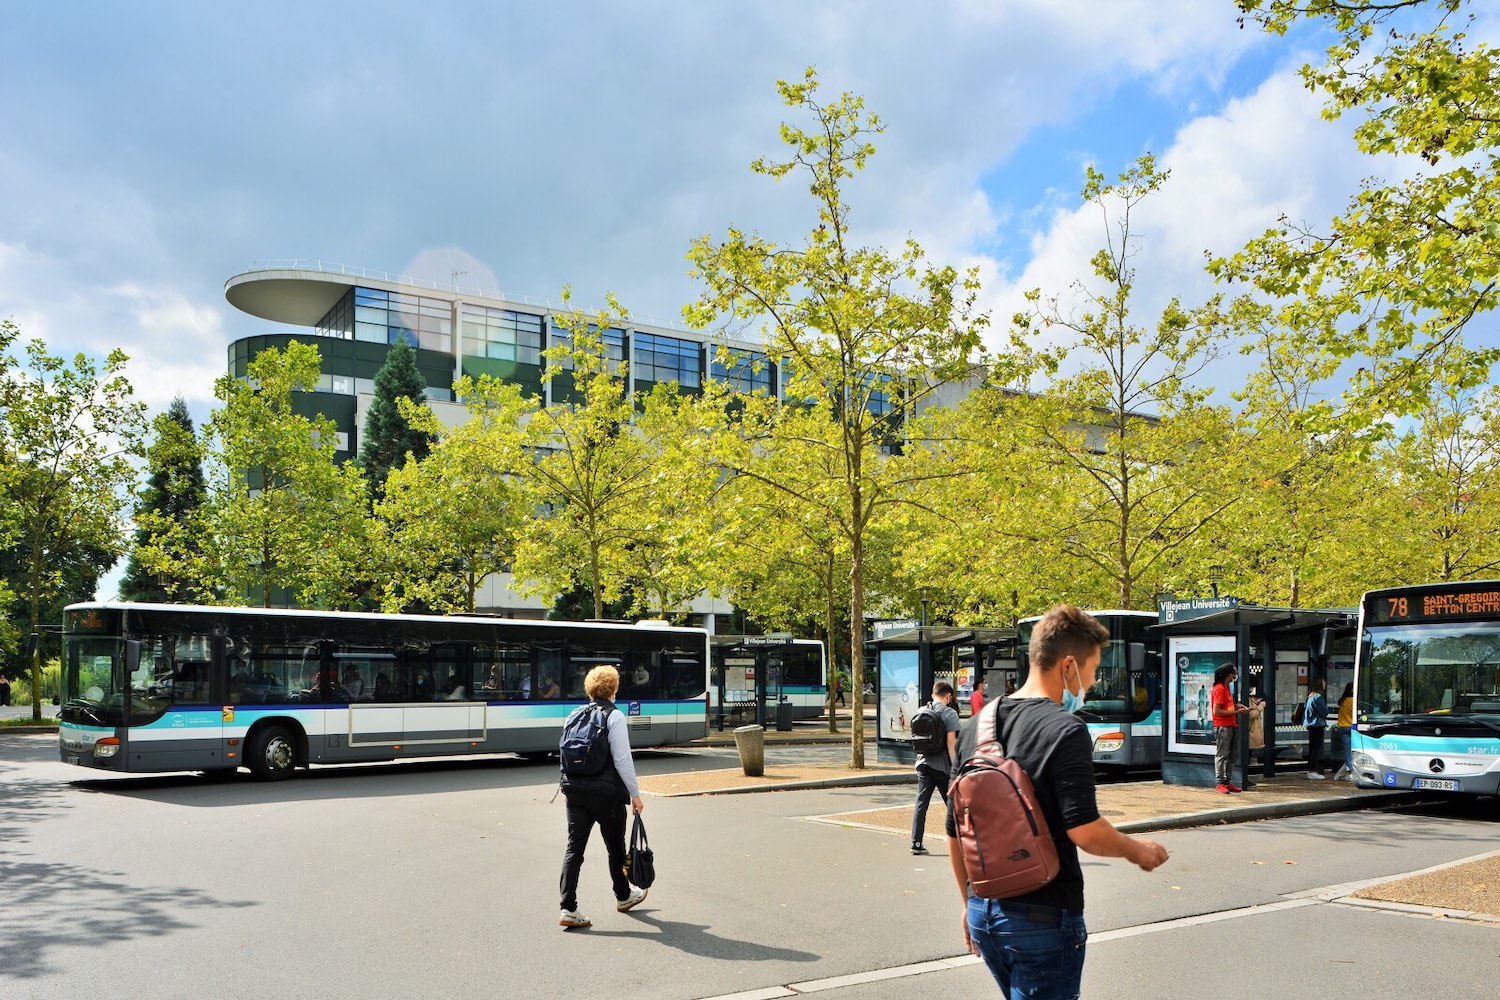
(175, 678)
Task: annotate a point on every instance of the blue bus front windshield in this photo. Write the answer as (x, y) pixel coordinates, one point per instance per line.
(1440, 669)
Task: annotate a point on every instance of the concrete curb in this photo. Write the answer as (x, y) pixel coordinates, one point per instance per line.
(853, 781)
(26, 730)
(1265, 810)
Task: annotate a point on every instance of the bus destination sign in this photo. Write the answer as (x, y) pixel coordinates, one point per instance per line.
(1437, 605)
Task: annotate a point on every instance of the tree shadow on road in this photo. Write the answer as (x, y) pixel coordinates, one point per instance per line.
(695, 939)
(51, 907)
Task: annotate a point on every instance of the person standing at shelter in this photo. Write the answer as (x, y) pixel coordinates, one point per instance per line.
(933, 768)
(4, 690)
(1226, 719)
(1034, 944)
(1315, 718)
(1343, 729)
(599, 800)
(976, 700)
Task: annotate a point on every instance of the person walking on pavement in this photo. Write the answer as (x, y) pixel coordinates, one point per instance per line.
(1034, 944)
(933, 768)
(1315, 718)
(1226, 718)
(838, 689)
(1344, 729)
(599, 800)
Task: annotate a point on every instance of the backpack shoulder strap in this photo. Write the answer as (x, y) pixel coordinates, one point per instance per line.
(987, 729)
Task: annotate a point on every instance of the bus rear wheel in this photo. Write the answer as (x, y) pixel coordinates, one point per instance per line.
(273, 754)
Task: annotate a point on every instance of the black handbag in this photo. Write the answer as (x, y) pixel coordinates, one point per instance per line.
(640, 863)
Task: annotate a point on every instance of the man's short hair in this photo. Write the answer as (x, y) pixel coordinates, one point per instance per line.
(1065, 631)
(942, 687)
(602, 682)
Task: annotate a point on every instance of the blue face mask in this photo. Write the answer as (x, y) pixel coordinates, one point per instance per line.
(1071, 702)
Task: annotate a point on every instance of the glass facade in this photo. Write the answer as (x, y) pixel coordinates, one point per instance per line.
(748, 372)
(501, 334)
(378, 317)
(667, 359)
(563, 390)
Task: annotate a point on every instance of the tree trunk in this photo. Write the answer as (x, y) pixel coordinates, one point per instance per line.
(857, 651)
(828, 648)
(34, 584)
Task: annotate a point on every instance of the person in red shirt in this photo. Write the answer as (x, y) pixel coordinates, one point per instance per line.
(1226, 715)
(976, 700)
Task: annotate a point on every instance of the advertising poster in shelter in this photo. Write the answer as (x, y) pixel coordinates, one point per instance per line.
(1193, 660)
(898, 692)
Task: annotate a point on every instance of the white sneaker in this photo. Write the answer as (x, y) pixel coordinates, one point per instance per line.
(1315, 776)
(636, 895)
(572, 918)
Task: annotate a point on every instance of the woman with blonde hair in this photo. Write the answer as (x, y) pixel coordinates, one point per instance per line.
(599, 800)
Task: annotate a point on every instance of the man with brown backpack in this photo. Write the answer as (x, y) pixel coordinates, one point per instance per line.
(1033, 942)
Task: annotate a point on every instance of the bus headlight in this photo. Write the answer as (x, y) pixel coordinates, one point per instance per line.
(1363, 761)
(1109, 742)
(107, 747)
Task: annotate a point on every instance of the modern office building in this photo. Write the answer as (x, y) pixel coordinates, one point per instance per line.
(354, 315)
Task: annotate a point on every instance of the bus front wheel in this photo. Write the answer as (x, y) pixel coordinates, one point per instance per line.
(273, 754)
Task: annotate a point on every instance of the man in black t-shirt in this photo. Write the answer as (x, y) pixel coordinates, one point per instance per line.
(1039, 731)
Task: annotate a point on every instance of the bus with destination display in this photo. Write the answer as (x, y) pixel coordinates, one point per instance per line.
(1123, 710)
(162, 687)
(1427, 688)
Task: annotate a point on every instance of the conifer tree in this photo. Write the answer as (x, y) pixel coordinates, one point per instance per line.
(175, 491)
(388, 437)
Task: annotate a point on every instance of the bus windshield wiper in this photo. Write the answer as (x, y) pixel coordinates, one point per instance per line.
(84, 708)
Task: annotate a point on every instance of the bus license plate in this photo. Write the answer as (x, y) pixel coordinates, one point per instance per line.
(73, 759)
(1436, 784)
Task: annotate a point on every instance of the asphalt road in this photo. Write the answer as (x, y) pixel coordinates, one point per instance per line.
(439, 880)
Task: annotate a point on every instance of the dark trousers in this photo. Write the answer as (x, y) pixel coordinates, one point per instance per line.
(1315, 749)
(840, 698)
(927, 780)
(585, 811)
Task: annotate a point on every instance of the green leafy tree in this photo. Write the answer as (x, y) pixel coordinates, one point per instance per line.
(1442, 506)
(174, 492)
(593, 471)
(389, 437)
(863, 335)
(1129, 446)
(1408, 265)
(281, 514)
(67, 431)
(450, 519)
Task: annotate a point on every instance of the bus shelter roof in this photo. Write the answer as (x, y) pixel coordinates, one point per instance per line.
(1264, 619)
(943, 636)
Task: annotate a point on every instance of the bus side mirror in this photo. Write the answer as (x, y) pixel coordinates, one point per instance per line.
(132, 656)
(1325, 642)
(1135, 657)
(32, 642)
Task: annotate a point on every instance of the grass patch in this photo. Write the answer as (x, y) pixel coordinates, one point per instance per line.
(47, 720)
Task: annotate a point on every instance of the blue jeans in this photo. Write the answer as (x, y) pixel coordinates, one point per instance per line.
(1034, 952)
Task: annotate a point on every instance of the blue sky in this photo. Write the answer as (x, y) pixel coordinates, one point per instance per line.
(153, 149)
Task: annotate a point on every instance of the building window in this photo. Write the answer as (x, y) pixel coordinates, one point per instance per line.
(395, 317)
(668, 359)
(748, 372)
(614, 346)
(501, 334)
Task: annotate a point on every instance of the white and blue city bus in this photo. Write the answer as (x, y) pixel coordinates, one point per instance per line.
(1427, 688)
(160, 687)
(1123, 710)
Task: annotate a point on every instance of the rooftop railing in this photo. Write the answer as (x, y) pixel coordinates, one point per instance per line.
(352, 271)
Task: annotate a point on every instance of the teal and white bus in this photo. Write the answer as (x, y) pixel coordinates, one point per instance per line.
(792, 670)
(1123, 710)
(1427, 688)
(161, 687)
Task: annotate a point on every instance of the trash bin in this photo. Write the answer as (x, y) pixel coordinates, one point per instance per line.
(783, 717)
(750, 741)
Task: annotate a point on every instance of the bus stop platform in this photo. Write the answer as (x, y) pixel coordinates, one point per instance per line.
(1133, 806)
